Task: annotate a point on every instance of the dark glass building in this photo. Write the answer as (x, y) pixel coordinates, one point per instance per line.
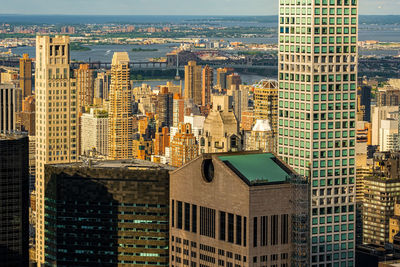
(14, 200)
(109, 213)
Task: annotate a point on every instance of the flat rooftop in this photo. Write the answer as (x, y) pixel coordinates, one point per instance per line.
(132, 164)
(258, 168)
(13, 136)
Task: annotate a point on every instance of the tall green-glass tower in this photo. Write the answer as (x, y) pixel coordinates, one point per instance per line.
(317, 114)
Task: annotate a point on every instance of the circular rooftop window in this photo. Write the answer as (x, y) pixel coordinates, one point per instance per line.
(207, 170)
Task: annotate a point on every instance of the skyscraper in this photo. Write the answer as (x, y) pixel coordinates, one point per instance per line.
(207, 85)
(102, 85)
(317, 108)
(84, 85)
(184, 146)
(164, 107)
(193, 82)
(266, 103)
(9, 97)
(25, 75)
(14, 192)
(56, 118)
(234, 209)
(107, 213)
(94, 131)
(120, 113)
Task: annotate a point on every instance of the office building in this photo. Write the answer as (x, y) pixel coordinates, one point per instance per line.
(388, 135)
(260, 137)
(164, 108)
(266, 102)
(378, 114)
(207, 85)
(161, 141)
(102, 85)
(237, 209)
(388, 96)
(9, 102)
(221, 129)
(120, 213)
(233, 81)
(184, 146)
(94, 131)
(193, 82)
(394, 222)
(120, 113)
(222, 74)
(25, 75)
(240, 99)
(84, 85)
(381, 192)
(14, 192)
(26, 117)
(56, 118)
(316, 115)
(364, 101)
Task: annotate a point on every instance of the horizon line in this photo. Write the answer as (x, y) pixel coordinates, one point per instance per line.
(169, 15)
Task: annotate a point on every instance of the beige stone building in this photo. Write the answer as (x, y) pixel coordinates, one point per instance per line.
(260, 137)
(56, 119)
(120, 112)
(234, 209)
(221, 129)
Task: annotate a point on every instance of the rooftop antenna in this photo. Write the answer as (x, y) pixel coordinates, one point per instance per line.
(177, 77)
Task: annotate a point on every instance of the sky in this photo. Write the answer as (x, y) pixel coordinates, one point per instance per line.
(170, 7)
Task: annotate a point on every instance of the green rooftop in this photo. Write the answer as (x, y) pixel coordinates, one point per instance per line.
(258, 168)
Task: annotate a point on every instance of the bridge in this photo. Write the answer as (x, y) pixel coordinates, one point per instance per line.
(364, 64)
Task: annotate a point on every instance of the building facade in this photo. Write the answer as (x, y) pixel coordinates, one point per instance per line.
(266, 103)
(184, 146)
(221, 212)
(25, 75)
(84, 85)
(193, 82)
(94, 131)
(9, 102)
(56, 118)
(207, 85)
(120, 214)
(14, 204)
(316, 120)
(120, 113)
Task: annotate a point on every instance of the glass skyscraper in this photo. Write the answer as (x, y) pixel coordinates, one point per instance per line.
(317, 113)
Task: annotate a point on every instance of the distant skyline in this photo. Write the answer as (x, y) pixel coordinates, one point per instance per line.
(171, 7)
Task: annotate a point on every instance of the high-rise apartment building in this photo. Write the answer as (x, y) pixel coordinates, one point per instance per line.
(25, 75)
(26, 117)
(107, 213)
(233, 80)
(266, 103)
(193, 82)
(207, 85)
(9, 98)
(120, 112)
(317, 109)
(164, 107)
(184, 146)
(94, 131)
(102, 85)
(84, 85)
(14, 204)
(236, 209)
(56, 118)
